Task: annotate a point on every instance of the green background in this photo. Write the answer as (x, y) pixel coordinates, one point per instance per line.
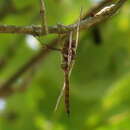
(100, 80)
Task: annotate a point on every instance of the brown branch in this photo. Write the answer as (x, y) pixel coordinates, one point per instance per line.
(95, 31)
(84, 24)
(43, 16)
(11, 50)
(97, 8)
(6, 88)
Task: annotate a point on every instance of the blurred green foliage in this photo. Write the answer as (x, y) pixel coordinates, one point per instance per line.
(100, 81)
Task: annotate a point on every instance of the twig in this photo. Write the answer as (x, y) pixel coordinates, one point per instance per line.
(6, 87)
(95, 31)
(43, 17)
(96, 8)
(84, 24)
(59, 97)
(11, 50)
(68, 61)
(77, 32)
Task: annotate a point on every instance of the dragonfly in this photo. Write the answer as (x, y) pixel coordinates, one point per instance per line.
(68, 54)
(68, 58)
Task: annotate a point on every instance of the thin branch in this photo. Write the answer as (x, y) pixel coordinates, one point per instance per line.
(77, 32)
(84, 24)
(36, 30)
(97, 8)
(43, 16)
(11, 50)
(59, 97)
(95, 31)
